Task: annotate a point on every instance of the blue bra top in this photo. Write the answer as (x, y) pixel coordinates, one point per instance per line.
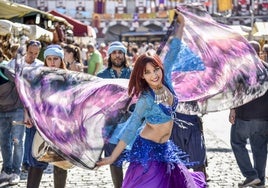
(146, 109)
(168, 110)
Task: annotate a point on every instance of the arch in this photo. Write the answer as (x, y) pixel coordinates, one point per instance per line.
(153, 26)
(113, 32)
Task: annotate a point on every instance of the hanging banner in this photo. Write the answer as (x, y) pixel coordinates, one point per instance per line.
(171, 14)
(225, 5)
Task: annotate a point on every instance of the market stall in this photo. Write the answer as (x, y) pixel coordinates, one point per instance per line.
(81, 32)
(33, 32)
(260, 31)
(38, 33)
(15, 29)
(35, 24)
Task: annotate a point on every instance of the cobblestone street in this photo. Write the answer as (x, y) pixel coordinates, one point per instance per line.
(222, 168)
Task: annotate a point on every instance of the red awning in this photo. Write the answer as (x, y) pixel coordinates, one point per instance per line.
(80, 29)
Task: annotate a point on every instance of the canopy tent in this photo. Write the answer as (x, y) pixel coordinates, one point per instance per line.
(80, 29)
(260, 31)
(16, 29)
(39, 33)
(9, 10)
(32, 31)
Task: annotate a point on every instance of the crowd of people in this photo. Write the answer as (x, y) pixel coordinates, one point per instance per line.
(154, 111)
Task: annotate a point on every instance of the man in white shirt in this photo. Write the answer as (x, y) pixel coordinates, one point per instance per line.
(33, 48)
(12, 136)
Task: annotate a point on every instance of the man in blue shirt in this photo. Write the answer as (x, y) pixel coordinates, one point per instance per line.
(117, 62)
(117, 68)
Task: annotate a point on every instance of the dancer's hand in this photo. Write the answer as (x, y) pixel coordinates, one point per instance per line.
(27, 120)
(105, 161)
(180, 18)
(232, 116)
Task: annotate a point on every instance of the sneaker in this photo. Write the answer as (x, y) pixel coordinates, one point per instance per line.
(4, 179)
(249, 182)
(4, 176)
(4, 183)
(14, 180)
(207, 177)
(259, 185)
(25, 168)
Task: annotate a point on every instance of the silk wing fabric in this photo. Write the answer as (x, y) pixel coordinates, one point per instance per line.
(216, 69)
(74, 112)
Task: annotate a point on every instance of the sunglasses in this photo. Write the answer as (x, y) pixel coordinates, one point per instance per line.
(34, 43)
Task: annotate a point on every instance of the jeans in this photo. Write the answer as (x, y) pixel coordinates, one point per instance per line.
(257, 132)
(12, 141)
(26, 148)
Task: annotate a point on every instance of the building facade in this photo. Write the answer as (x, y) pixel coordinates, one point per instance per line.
(113, 18)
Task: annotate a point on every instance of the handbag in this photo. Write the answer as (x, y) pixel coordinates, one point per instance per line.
(43, 152)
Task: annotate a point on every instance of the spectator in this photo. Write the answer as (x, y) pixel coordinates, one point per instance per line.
(14, 50)
(151, 49)
(53, 56)
(250, 121)
(103, 50)
(33, 48)
(72, 58)
(135, 54)
(265, 52)
(95, 61)
(12, 137)
(3, 57)
(84, 56)
(117, 68)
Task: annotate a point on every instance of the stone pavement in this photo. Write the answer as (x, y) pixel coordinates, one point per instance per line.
(222, 170)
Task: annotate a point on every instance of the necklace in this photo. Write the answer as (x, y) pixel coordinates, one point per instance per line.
(161, 95)
(168, 110)
(118, 74)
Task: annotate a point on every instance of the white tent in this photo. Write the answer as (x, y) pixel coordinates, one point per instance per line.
(5, 27)
(9, 9)
(260, 31)
(15, 29)
(32, 31)
(37, 32)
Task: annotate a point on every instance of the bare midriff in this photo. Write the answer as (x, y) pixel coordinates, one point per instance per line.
(159, 133)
